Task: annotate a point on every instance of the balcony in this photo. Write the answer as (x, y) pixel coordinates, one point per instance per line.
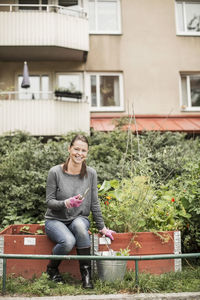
(47, 32)
(45, 117)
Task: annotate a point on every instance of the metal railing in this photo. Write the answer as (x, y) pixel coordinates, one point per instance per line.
(29, 95)
(78, 11)
(91, 257)
(36, 95)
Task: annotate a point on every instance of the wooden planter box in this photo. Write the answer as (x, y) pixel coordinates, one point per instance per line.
(148, 243)
(12, 241)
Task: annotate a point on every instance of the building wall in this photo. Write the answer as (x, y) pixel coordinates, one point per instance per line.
(150, 55)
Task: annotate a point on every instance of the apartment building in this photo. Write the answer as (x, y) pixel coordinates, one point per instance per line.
(137, 58)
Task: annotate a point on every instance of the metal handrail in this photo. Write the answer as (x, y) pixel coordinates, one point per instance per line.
(91, 257)
(11, 94)
(28, 92)
(57, 8)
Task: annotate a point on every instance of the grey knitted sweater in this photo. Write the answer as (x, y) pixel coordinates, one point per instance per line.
(61, 186)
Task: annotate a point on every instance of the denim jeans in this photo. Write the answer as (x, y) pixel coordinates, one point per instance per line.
(68, 236)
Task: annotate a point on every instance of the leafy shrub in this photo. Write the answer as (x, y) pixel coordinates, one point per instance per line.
(188, 186)
(23, 171)
(134, 205)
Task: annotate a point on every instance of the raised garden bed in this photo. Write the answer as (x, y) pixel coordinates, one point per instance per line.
(31, 239)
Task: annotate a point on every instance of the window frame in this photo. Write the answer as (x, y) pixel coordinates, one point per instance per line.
(81, 87)
(185, 32)
(109, 32)
(31, 7)
(189, 106)
(105, 108)
(28, 91)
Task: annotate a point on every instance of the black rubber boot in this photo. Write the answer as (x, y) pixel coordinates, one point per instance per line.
(85, 269)
(53, 272)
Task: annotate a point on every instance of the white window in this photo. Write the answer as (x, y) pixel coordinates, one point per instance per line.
(190, 92)
(104, 16)
(188, 17)
(105, 92)
(71, 82)
(39, 87)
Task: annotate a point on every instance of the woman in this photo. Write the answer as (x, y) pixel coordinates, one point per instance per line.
(66, 218)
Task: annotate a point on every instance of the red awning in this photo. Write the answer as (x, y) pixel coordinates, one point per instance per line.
(150, 123)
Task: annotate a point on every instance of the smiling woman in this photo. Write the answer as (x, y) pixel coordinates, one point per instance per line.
(69, 206)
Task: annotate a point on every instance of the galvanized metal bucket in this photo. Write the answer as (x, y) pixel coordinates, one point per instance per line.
(111, 270)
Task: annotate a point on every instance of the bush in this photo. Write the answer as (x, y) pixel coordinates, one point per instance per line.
(25, 162)
(134, 205)
(188, 187)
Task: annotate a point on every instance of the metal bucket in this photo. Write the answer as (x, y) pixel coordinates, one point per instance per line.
(111, 270)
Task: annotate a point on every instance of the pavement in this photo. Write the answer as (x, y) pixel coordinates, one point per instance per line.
(171, 296)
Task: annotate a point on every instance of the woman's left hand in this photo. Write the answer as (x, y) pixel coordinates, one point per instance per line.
(107, 232)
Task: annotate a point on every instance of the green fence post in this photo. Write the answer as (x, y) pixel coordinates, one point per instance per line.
(4, 276)
(136, 273)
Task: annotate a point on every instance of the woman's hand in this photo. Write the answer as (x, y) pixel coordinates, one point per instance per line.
(107, 232)
(75, 201)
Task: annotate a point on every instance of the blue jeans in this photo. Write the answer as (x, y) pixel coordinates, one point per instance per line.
(68, 236)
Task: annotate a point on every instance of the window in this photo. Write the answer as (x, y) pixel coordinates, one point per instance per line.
(34, 2)
(188, 17)
(71, 82)
(104, 16)
(190, 92)
(39, 87)
(105, 92)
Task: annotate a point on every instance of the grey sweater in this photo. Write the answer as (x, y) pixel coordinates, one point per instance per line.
(61, 186)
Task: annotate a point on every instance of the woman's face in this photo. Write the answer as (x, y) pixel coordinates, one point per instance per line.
(78, 152)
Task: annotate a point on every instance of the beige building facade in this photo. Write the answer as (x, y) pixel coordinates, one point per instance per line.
(126, 57)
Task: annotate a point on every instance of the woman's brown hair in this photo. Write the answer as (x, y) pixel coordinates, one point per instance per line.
(82, 138)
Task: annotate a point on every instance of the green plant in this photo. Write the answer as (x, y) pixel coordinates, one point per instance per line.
(168, 212)
(24, 165)
(188, 186)
(123, 252)
(39, 232)
(144, 207)
(25, 229)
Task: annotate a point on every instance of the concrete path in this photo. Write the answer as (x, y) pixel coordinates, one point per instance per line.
(171, 296)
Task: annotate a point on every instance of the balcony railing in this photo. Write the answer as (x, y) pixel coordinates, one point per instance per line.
(43, 25)
(26, 95)
(78, 11)
(47, 116)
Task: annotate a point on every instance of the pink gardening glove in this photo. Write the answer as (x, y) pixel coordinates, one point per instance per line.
(73, 201)
(107, 232)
